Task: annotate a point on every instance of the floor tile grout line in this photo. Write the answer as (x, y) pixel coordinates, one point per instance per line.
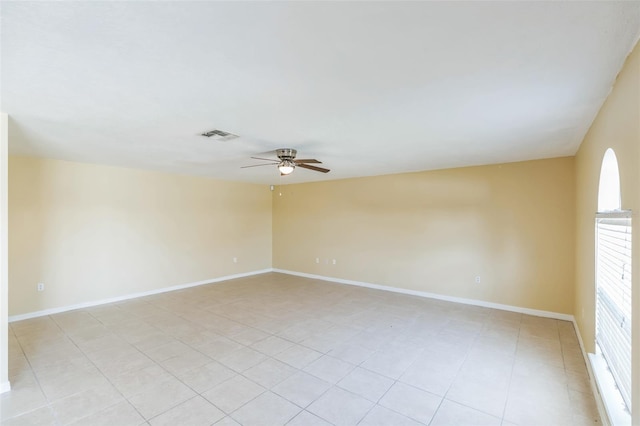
(513, 366)
(154, 362)
(36, 379)
(93, 363)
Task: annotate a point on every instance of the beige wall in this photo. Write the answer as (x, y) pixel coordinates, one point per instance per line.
(617, 126)
(4, 277)
(91, 232)
(511, 224)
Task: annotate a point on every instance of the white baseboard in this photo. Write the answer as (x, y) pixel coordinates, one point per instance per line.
(474, 302)
(5, 387)
(132, 296)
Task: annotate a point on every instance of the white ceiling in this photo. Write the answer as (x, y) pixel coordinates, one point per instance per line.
(366, 87)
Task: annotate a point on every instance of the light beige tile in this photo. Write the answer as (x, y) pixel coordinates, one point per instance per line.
(250, 336)
(227, 421)
(340, 407)
(580, 420)
(40, 417)
(167, 351)
(233, 394)
(270, 372)
(480, 393)
(225, 326)
(366, 384)
(161, 397)
(321, 343)
(578, 381)
(411, 402)
(304, 330)
(118, 362)
(380, 416)
(185, 362)
(196, 411)
(23, 381)
(584, 404)
(56, 388)
(392, 360)
(541, 321)
(350, 352)
(305, 418)
(301, 388)
(123, 351)
(525, 371)
(543, 351)
(207, 376)
(575, 363)
(134, 382)
(266, 409)
(152, 340)
(273, 325)
(97, 339)
(51, 365)
(272, 345)
(298, 356)
(507, 316)
(21, 401)
(420, 342)
(329, 369)
(85, 403)
(219, 347)
(502, 344)
(121, 414)
(435, 371)
(370, 340)
(453, 414)
(525, 411)
(242, 359)
(199, 338)
(540, 330)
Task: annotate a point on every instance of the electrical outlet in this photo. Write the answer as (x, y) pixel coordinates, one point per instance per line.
(334, 261)
(477, 279)
(317, 260)
(40, 286)
(235, 260)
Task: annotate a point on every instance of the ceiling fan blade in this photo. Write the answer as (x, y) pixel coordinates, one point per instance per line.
(266, 159)
(317, 169)
(307, 161)
(256, 165)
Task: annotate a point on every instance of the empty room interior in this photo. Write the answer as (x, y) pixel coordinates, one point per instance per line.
(319, 213)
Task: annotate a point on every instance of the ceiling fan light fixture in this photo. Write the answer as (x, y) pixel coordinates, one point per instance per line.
(286, 167)
(287, 163)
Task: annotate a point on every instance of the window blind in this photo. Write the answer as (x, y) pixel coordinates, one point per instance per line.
(613, 296)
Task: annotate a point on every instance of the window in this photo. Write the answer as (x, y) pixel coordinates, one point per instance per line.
(613, 278)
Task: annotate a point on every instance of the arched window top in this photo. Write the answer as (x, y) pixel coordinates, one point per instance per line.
(609, 188)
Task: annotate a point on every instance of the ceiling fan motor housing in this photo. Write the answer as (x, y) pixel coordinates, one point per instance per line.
(286, 153)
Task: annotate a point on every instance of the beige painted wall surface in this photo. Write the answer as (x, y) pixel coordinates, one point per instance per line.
(617, 126)
(511, 224)
(91, 232)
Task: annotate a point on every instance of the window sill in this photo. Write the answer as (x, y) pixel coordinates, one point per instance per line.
(615, 408)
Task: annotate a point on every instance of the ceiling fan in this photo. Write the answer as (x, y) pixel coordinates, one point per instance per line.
(287, 162)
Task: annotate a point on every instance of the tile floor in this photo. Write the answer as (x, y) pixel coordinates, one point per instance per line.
(274, 349)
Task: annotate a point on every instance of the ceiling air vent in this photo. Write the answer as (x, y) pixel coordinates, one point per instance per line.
(219, 135)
